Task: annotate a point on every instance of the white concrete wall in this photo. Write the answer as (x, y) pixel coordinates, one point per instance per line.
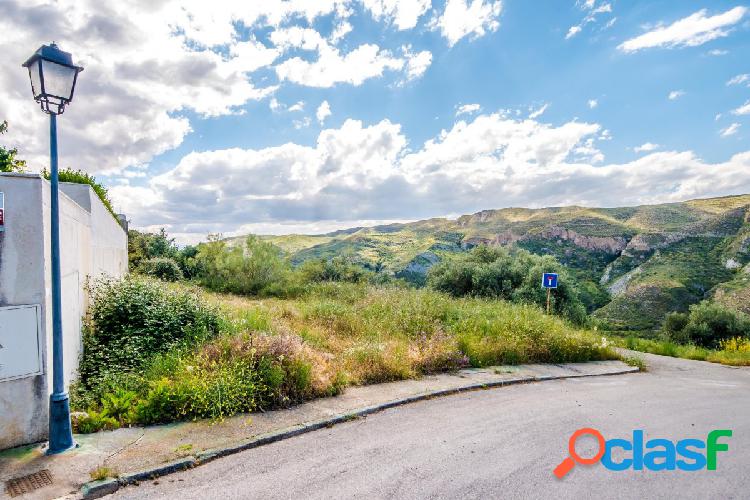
(23, 267)
(92, 243)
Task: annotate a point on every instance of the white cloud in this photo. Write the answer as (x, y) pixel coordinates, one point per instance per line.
(463, 18)
(742, 110)
(573, 31)
(740, 79)
(717, 52)
(302, 123)
(340, 31)
(467, 109)
(404, 14)
(539, 111)
(593, 103)
(592, 11)
(646, 147)
(491, 161)
(323, 112)
(730, 130)
(131, 100)
(297, 106)
(416, 63)
(332, 67)
(675, 94)
(691, 31)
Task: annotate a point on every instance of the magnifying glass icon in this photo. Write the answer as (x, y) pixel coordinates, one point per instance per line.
(570, 461)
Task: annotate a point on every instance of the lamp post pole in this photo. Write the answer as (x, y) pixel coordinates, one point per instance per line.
(53, 79)
(60, 431)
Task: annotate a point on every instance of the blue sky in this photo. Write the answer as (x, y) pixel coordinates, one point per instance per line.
(210, 118)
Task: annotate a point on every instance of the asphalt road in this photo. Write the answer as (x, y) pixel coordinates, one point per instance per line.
(499, 443)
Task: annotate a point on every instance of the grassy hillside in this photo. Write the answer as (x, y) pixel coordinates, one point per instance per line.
(652, 259)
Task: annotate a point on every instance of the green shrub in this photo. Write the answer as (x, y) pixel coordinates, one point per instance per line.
(335, 269)
(8, 157)
(94, 422)
(706, 325)
(674, 325)
(230, 375)
(255, 268)
(119, 404)
(516, 276)
(163, 268)
(81, 177)
(133, 319)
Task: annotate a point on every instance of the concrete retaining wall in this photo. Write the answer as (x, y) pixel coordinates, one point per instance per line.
(92, 244)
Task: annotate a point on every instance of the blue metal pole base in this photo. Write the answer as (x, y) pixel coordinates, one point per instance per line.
(60, 430)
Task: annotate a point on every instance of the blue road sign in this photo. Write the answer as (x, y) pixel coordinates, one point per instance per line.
(549, 280)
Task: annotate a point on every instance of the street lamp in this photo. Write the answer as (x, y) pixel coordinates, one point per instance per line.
(53, 79)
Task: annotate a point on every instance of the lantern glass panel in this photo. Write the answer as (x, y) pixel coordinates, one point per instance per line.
(36, 83)
(58, 80)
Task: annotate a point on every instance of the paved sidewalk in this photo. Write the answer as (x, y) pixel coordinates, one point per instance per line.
(146, 449)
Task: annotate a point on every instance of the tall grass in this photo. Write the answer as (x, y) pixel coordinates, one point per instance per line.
(383, 333)
(735, 352)
(276, 352)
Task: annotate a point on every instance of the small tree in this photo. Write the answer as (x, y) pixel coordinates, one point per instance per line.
(8, 160)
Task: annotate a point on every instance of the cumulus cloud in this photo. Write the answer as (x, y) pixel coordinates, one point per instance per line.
(675, 94)
(740, 79)
(646, 147)
(691, 31)
(362, 173)
(130, 99)
(539, 111)
(297, 106)
(467, 109)
(742, 110)
(404, 14)
(323, 112)
(340, 31)
(359, 173)
(730, 130)
(463, 18)
(592, 103)
(150, 68)
(417, 63)
(332, 66)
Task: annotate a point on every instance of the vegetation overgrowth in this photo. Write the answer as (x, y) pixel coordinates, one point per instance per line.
(733, 352)
(81, 177)
(197, 355)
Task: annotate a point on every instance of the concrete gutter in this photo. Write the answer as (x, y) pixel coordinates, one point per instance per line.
(97, 489)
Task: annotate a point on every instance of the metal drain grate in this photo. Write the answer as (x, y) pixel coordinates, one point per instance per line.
(26, 484)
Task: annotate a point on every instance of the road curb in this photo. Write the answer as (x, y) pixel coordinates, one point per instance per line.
(97, 489)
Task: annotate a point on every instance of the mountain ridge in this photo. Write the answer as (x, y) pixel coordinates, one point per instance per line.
(650, 259)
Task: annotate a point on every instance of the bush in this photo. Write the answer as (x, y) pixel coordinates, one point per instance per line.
(516, 276)
(706, 325)
(234, 375)
(94, 422)
(674, 324)
(254, 268)
(335, 269)
(81, 177)
(163, 268)
(131, 320)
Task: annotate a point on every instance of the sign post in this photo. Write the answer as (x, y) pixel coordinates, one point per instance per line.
(549, 281)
